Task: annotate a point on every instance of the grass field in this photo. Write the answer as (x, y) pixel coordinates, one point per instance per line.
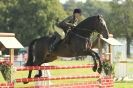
(63, 72)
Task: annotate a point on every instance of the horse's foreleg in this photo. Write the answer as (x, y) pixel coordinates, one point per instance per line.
(95, 63)
(100, 64)
(29, 76)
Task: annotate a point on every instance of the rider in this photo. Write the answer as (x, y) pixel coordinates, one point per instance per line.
(67, 24)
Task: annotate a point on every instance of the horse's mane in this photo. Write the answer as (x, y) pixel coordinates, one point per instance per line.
(87, 21)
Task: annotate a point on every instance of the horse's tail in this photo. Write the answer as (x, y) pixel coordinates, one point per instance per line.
(30, 54)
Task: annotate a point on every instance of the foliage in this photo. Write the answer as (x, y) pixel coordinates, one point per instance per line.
(5, 69)
(70, 5)
(121, 19)
(93, 7)
(29, 19)
(122, 14)
(89, 8)
(108, 69)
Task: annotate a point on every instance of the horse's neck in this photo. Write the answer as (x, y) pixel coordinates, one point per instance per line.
(71, 34)
(84, 30)
(86, 27)
(82, 33)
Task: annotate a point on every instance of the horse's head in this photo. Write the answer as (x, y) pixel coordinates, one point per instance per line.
(92, 24)
(102, 28)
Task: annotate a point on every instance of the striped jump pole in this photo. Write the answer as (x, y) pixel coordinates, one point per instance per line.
(55, 78)
(51, 67)
(104, 81)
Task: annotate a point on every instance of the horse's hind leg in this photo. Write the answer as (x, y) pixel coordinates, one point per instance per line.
(29, 76)
(38, 63)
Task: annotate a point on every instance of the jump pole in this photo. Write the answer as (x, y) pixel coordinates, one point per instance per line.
(105, 81)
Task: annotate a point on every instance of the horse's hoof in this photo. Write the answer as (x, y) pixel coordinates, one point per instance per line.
(37, 76)
(94, 68)
(25, 82)
(99, 70)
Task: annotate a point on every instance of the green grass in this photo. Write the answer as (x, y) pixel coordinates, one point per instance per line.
(123, 85)
(64, 72)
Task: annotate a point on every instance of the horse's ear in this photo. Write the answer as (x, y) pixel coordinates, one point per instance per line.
(100, 16)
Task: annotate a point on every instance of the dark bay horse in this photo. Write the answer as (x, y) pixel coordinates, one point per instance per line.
(76, 43)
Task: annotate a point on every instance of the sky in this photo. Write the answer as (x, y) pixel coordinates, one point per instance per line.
(63, 1)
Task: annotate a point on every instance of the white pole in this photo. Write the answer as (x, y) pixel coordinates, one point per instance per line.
(45, 73)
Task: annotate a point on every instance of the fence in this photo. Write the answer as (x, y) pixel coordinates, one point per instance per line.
(100, 82)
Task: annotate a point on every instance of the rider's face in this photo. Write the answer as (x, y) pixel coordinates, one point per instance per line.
(77, 15)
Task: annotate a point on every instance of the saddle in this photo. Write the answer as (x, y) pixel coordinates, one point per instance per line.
(55, 40)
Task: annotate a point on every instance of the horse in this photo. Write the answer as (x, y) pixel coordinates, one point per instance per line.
(76, 43)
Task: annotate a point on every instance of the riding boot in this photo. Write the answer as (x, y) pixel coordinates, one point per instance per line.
(53, 46)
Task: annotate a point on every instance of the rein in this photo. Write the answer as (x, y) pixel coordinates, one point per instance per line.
(71, 32)
(83, 29)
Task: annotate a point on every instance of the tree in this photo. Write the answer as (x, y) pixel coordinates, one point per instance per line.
(70, 5)
(122, 19)
(29, 18)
